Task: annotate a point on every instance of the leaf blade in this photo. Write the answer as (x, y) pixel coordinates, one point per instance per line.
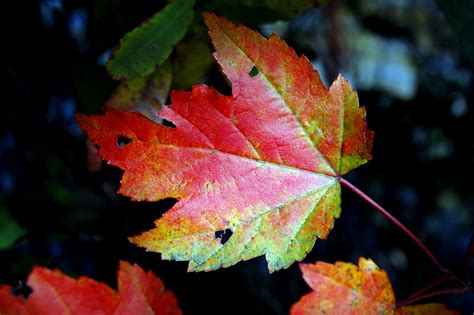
(344, 288)
(139, 292)
(10, 304)
(262, 163)
(56, 293)
(320, 114)
(142, 292)
(150, 44)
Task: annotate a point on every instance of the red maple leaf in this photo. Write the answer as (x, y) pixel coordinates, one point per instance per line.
(261, 166)
(139, 292)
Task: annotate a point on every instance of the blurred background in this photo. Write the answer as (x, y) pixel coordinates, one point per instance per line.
(411, 62)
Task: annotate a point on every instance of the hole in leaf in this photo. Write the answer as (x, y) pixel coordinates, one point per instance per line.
(168, 123)
(123, 141)
(253, 72)
(21, 289)
(223, 235)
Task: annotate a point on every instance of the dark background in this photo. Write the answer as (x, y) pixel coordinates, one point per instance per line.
(411, 71)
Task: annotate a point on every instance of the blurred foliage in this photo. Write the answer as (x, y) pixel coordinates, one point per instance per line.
(460, 16)
(259, 11)
(10, 230)
(401, 56)
(193, 58)
(144, 94)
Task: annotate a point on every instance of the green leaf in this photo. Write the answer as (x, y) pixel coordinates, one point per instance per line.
(260, 11)
(193, 59)
(460, 16)
(10, 230)
(150, 44)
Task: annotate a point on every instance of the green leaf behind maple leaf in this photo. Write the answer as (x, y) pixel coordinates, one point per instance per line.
(192, 62)
(263, 164)
(144, 95)
(150, 44)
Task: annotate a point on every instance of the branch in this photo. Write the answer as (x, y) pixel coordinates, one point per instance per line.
(397, 223)
(449, 291)
(425, 289)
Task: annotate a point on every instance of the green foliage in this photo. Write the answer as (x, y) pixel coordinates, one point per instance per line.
(10, 230)
(150, 44)
(139, 59)
(260, 11)
(460, 16)
(193, 59)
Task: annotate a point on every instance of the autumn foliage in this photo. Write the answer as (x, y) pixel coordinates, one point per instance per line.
(343, 288)
(262, 165)
(255, 173)
(139, 292)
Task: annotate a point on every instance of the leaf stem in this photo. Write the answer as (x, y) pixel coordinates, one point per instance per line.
(397, 223)
(449, 291)
(423, 290)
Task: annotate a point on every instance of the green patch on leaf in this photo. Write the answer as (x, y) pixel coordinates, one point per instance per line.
(150, 44)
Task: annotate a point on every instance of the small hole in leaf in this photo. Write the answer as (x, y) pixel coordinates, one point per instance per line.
(21, 289)
(253, 72)
(168, 123)
(223, 235)
(123, 141)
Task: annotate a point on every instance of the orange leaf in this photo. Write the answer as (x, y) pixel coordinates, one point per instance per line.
(56, 293)
(343, 288)
(261, 166)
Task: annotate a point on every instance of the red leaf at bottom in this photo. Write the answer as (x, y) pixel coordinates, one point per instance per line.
(139, 292)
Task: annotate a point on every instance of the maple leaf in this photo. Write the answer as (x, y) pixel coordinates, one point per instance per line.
(261, 166)
(139, 292)
(343, 288)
